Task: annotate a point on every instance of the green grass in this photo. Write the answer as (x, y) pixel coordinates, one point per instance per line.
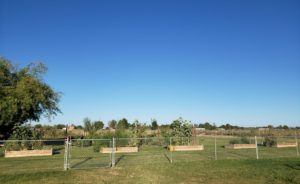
(152, 165)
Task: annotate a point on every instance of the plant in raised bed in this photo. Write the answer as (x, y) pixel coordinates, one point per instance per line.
(240, 143)
(243, 140)
(25, 142)
(23, 134)
(137, 131)
(270, 141)
(181, 128)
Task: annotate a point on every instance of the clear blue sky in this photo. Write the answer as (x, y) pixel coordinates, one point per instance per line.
(221, 61)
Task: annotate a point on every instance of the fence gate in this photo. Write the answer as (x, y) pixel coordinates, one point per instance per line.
(134, 151)
(87, 153)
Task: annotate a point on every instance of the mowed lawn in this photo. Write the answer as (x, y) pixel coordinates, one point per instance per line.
(220, 171)
(152, 165)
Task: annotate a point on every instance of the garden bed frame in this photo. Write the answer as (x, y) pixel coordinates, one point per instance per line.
(28, 153)
(120, 150)
(240, 146)
(286, 145)
(186, 148)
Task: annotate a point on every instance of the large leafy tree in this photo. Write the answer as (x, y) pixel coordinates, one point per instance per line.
(98, 125)
(92, 127)
(24, 96)
(154, 125)
(112, 124)
(123, 124)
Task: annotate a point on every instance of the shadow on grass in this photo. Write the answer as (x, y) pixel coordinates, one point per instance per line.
(293, 166)
(119, 159)
(167, 157)
(241, 155)
(82, 162)
(57, 151)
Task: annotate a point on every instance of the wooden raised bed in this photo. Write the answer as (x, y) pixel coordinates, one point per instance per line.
(120, 150)
(28, 153)
(286, 145)
(186, 148)
(240, 146)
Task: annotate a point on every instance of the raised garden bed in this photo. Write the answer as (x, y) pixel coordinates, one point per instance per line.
(28, 153)
(240, 146)
(120, 150)
(186, 148)
(285, 145)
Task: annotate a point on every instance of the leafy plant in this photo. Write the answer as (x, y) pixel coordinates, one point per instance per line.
(243, 140)
(270, 141)
(97, 144)
(23, 138)
(181, 128)
(92, 127)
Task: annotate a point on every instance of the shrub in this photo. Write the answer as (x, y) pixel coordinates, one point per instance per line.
(181, 128)
(270, 141)
(97, 144)
(12, 146)
(243, 140)
(37, 145)
(22, 139)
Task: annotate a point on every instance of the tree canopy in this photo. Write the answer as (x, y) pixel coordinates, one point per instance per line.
(123, 124)
(24, 96)
(92, 127)
(112, 124)
(154, 124)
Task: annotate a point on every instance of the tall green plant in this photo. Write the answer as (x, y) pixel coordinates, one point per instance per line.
(181, 128)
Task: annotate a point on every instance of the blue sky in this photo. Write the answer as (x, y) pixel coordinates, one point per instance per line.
(221, 61)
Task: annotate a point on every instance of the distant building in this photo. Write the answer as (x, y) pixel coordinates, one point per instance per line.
(200, 129)
(70, 128)
(263, 129)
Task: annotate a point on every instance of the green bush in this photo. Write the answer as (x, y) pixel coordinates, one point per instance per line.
(23, 139)
(37, 145)
(270, 141)
(243, 140)
(97, 144)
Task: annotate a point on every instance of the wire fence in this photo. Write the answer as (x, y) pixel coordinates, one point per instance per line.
(26, 155)
(31, 155)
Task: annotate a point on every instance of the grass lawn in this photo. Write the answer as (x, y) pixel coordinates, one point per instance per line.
(221, 171)
(151, 165)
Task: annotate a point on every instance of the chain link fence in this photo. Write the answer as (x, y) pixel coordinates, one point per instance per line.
(89, 153)
(31, 155)
(141, 150)
(24, 155)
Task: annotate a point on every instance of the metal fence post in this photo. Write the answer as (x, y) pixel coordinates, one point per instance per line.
(66, 154)
(69, 151)
(297, 149)
(256, 148)
(216, 156)
(110, 155)
(171, 156)
(113, 153)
